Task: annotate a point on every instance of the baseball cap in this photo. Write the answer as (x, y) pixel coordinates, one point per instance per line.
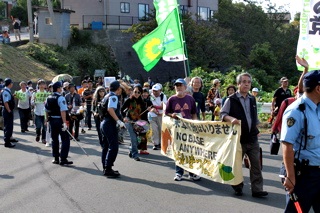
(255, 90)
(66, 84)
(114, 85)
(217, 101)
(311, 79)
(156, 87)
(216, 81)
(146, 84)
(56, 85)
(180, 81)
(70, 85)
(283, 79)
(7, 81)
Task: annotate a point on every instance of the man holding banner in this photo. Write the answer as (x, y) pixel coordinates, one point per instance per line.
(38, 101)
(185, 105)
(241, 109)
(23, 96)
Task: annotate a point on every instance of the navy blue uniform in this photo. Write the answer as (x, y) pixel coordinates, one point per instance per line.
(109, 132)
(54, 105)
(7, 97)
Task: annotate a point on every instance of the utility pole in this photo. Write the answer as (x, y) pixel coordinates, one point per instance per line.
(30, 21)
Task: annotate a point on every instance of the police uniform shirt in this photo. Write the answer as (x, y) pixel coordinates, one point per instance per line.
(293, 125)
(62, 103)
(6, 95)
(113, 101)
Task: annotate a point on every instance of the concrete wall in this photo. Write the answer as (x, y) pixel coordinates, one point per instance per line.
(130, 65)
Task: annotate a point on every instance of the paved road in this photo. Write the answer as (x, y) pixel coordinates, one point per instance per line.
(29, 182)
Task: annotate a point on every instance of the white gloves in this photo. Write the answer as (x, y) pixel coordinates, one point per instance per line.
(120, 124)
(64, 127)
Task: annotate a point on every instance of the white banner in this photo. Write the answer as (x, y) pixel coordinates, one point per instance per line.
(210, 149)
(309, 38)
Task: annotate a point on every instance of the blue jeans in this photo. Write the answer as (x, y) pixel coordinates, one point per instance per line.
(40, 123)
(110, 144)
(134, 140)
(56, 130)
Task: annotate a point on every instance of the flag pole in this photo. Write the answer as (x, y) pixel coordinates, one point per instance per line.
(183, 39)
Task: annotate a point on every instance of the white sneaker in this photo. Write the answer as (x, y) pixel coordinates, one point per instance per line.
(194, 177)
(47, 144)
(177, 177)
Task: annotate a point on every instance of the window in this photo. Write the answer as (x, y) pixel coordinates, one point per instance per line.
(183, 9)
(143, 11)
(48, 21)
(203, 13)
(125, 7)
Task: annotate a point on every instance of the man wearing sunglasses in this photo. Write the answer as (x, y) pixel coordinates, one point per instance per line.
(184, 104)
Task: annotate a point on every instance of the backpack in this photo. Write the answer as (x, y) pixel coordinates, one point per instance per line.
(16, 25)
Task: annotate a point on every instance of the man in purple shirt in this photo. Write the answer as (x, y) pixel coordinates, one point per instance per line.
(185, 105)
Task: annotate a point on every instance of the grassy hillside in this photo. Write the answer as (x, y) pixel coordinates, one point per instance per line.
(17, 66)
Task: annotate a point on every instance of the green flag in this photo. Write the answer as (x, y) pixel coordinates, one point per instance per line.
(163, 9)
(162, 40)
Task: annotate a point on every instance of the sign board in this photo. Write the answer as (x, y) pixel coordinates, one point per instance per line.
(108, 80)
(99, 73)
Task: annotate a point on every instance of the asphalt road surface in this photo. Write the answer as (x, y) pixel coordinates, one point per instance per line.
(29, 182)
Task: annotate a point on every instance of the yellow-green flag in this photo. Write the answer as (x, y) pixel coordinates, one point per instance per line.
(162, 40)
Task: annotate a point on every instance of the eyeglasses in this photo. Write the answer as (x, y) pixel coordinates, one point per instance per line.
(137, 92)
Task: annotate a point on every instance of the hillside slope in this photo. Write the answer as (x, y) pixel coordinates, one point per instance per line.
(17, 66)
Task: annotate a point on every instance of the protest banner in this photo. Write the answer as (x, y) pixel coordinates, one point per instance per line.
(22, 96)
(108, 80)
(210, 149)
(41, 97)
(308, 43)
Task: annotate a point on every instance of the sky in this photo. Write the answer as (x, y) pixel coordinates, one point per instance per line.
(293, 6)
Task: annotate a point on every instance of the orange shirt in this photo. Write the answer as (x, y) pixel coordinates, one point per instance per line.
(80, 91)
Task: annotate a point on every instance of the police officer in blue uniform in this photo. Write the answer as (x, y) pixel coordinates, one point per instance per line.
(7, 112)
(111, 119)
(56, 109)
(300, 137)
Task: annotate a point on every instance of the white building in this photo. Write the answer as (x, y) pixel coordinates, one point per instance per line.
(127, 12)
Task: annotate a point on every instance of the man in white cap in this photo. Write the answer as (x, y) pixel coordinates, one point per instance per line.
(255, 92)
(155, 115)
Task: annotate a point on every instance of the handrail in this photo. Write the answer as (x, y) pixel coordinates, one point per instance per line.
(109, 20)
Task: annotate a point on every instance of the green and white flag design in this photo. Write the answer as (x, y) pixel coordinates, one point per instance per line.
(309, 38)
(163, 9)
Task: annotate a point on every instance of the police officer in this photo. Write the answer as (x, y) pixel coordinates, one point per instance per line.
(305, 186)
(111, 118)
(56, 109)
(7, 112)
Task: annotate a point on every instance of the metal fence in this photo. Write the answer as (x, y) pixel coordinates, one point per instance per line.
(115, 22)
